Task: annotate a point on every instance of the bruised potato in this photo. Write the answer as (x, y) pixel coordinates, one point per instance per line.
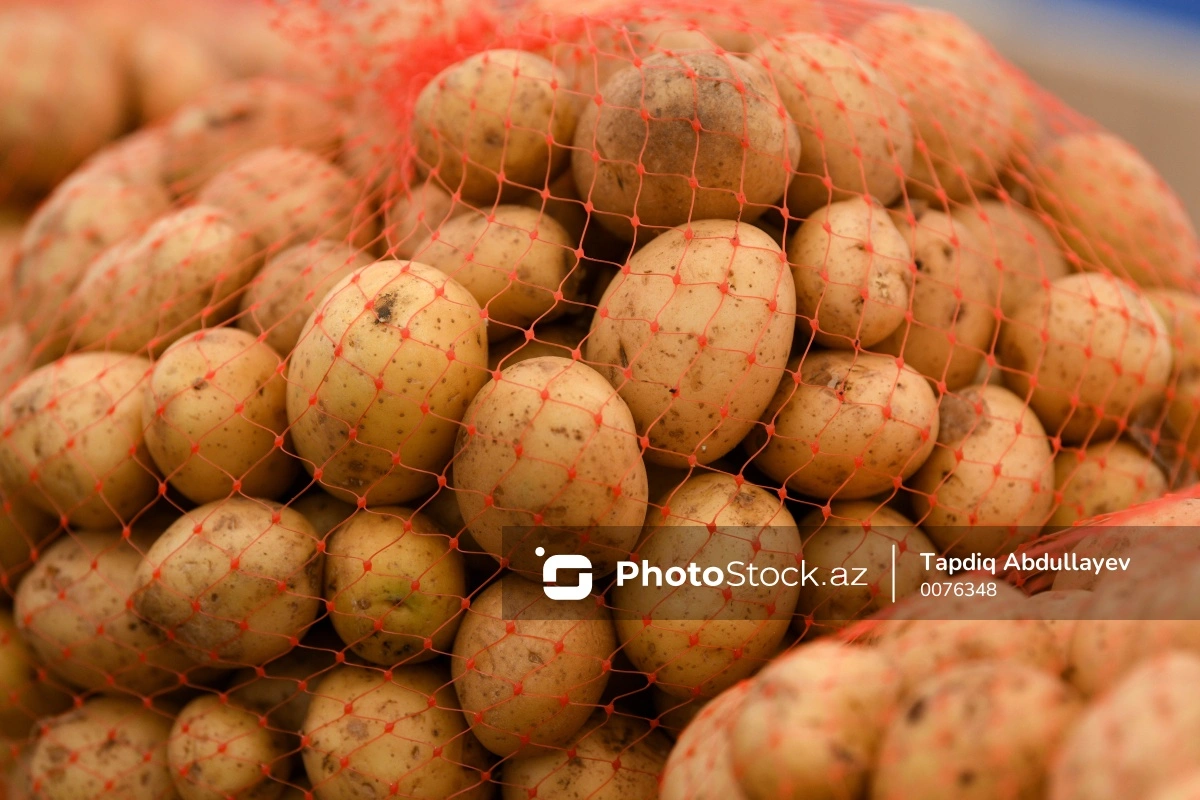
(218, 750)
(1104, 477)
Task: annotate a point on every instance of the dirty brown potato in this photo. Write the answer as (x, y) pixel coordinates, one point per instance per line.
(218, 750)
(1103, 477)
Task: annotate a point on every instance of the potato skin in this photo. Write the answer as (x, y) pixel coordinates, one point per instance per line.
(700, 766)
(414, 213)
(561, 339)
(24, 528)
(170, 69)
(735, 99)
(323, 511)
(680, 354)
(218, 750)
(25, 693)
(418, 334)
(488, 662)
(871, 421)
(47, 412)
(551, 439)
(1104, 477)
(284, 692)
(240, 560)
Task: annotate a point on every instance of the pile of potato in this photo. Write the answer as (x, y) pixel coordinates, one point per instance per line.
(303, 379)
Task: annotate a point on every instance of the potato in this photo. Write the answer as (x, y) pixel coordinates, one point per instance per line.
(516, 262)
(855, 135)
(218, 750)
(692, 639)
(674, 714)
(287, 196)
(368, 730)
(26, 694)
(695, 335)
(1142, 233)
(215, 413)
(136, 159)
(107, 748)
(550, 445)
(181, 275)
(1061, 610)
(953, 302)
(1024, 251)
(640, 161)
(529, 670)
(416, 212)
(988, 486)
(73, 440)
(853, 274)
(560, 201)
(560, 339)
(284, 692)
(25, 530)
(613, 757)
(1180, 311)
(1103, 477)
(845, 425)
(14, 355)
(324, 512)
(170, 69)
(811, 723)
(237, 581)
(1187, 788)
(700, 766)
(495, 120)
(382, 374)
(983, 730)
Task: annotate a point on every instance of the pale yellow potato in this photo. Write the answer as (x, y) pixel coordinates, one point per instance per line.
(66, 452)
(861, 252)
(401, 729)
(871, 422)
(856, 137)
(107, 748)
(697, 361)
(394, 354)
(218, 750)
(170, 68)
(24, 528)
(736, 101)
(557, 652)
(698, 642)
(323, 511)
(416, 212)
(26, 693)
(700, 766)
(182, 274)
(500, 119)
(560, 339)
(14, 354)
(982, 730)
(1091, 338)
(1103, 477)
(1142, 232)
(286, 689)
(549, 444)
(253, 569)
(395, 585)
(518, 263)
(1001, 492)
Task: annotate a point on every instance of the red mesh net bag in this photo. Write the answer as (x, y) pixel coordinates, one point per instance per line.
(690, 400)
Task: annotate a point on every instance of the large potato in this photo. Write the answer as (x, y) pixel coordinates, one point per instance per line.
(855, 134)
(25, 529)
(696, 640)
(845, 425)
(73, 440)
(182, 274)
(237, 581)
(550, 445)
(853, 273)
(416, 212)
(700, 766)
(498, 119)
(218, 750)
(641, 160)
(529, 670)
(215, 413)
(695, 334)
(382, 374)
(1090, 353)
(368, 730)
(26, 693)
(988, 486)
(169, 69)
(1104, 477)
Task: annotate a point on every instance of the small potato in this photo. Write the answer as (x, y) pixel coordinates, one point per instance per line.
(181, 275)
(529, 670)
(1104, 477)
(25, 693)
(700, 766)
(498, 119)
(845, 425)
(395, 585)
(983, 730)
(515, 261)
(368, 730)
(614, 757)
(74, 443)
(699, 641)
(287, 196)
(855, 134)
(675, 334)
(236, 581)
(324, 512)
(1090, 352)
(285, 691)
(218, 750)
(170, 69)
(853, 274)
(25, 528)
(107, 748)
(561, 339)
(551, 445)
(988, 486)
(416, 212)
(392, 357)
(640, 161)
(215, 413)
